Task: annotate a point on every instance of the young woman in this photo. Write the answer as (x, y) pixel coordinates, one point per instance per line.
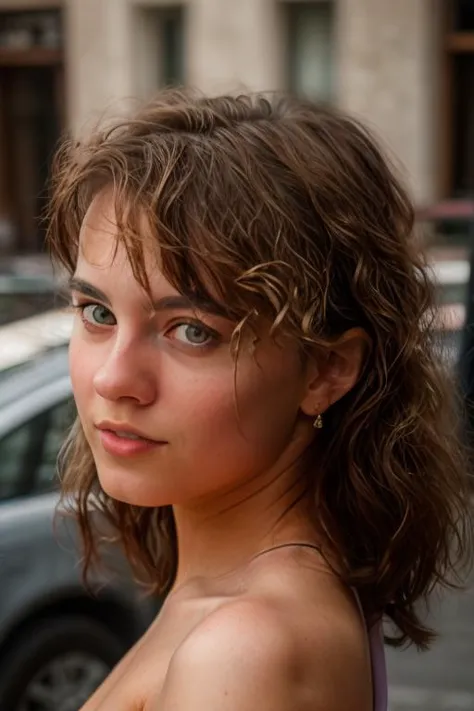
(262, 415)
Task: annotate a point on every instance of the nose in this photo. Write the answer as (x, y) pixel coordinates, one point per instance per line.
(126, 374)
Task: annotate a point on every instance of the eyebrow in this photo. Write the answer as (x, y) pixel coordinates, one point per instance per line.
(165, 303)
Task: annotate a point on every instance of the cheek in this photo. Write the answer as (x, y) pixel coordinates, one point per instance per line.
(247, 420)
(81, 369)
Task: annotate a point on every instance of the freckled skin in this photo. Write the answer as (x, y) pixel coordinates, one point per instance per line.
(219, 432)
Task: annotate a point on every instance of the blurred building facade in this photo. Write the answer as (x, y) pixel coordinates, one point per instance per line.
(406, 67)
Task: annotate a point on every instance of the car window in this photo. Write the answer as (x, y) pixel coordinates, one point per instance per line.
(59, 422)
(28, 454)
(15, 464)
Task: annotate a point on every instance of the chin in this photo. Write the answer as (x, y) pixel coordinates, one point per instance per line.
(129, 488)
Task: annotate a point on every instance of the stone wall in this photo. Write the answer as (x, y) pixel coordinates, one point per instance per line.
(388, 67)
(387, 63)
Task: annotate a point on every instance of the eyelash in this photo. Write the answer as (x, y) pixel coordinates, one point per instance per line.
(213, 336)
(81, 307)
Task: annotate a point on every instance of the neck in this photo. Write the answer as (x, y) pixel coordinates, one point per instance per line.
(221, 535)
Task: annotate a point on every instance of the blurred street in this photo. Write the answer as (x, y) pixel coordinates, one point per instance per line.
(404, 68)
(443, 678)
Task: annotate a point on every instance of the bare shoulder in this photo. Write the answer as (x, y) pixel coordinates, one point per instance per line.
(251, 654)
(238, 656)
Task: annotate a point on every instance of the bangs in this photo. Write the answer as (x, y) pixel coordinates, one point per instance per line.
(194, 271)
(214, 234)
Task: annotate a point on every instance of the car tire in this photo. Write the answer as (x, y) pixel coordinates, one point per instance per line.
(49, 642)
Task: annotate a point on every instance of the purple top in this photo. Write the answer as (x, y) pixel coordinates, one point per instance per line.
(377, 660)
(379, 669)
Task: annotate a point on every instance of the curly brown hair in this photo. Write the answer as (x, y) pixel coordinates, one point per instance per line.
(280, 204)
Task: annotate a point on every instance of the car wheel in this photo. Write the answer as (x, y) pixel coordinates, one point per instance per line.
(57, 664)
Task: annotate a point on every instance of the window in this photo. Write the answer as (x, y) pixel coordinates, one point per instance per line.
(463, 125)
(463, 11)
(457, 103)
(41, 29)
(310, 49)
(28, 454)
(171, 41)
(60, 419)
(159, 48)
(31, 120)
(14, 462)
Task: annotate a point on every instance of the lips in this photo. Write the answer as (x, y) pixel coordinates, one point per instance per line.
(124, 430)
(121, 440)
(125, 446)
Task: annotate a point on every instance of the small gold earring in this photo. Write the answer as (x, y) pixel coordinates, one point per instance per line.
(318, 423)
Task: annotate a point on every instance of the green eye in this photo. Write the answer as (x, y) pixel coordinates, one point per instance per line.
(193, 334)
(98, 315)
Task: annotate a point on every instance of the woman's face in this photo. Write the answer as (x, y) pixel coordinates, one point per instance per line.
(165, 371)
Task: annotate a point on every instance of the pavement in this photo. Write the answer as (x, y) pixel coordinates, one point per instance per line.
(441, 679)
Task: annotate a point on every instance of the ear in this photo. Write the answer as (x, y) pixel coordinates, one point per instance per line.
(334, 372)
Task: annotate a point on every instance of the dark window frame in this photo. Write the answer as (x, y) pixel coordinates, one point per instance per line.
(30, 462)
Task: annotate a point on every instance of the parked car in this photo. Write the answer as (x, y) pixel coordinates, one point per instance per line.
(57, 640)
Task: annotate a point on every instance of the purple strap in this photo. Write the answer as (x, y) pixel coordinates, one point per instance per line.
(377, 659)
(379, 668)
